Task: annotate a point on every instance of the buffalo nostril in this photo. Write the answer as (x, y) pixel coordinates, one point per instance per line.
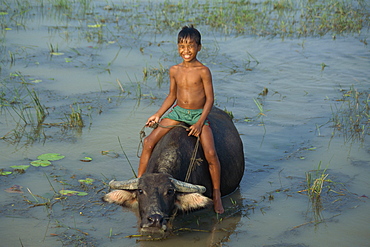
(155, 219)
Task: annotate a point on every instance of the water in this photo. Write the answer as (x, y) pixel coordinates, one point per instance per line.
(292, 138)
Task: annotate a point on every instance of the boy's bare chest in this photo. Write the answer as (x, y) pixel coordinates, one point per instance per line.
(188, 77)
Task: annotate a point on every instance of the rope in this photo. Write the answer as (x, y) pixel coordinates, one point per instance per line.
(193, 156)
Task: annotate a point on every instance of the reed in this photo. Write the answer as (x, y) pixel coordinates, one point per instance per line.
(40, 110)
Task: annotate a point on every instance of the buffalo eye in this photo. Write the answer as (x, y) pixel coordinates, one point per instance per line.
(140, 191)
(170, 192)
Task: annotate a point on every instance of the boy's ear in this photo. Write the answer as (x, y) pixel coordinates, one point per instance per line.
(199, 47)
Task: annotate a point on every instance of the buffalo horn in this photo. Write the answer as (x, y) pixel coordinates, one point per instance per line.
(124, 185)
(187, 187)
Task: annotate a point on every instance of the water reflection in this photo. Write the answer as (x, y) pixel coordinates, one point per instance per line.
(204, 227)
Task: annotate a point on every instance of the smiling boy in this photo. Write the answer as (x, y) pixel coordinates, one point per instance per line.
(192, 90)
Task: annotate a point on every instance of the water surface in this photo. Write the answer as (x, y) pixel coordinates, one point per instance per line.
(305, 78)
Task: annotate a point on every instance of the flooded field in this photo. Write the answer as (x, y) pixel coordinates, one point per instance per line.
(80, 78)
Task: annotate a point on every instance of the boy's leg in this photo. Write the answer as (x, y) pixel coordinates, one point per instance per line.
(208, 146)
(150, 141)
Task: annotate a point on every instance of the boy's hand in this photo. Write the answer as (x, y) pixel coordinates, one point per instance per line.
(152, 120)
(195, 129)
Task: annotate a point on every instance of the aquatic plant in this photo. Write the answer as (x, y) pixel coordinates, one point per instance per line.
(4, 173)
(75, 118)
(315, 182)
(160, 74)
(265, 18)
(23, 104)
(352, 117)
(20, 99)
(44, 159)
(72, 192)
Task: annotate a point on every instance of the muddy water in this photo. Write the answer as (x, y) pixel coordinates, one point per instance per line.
(292, 138)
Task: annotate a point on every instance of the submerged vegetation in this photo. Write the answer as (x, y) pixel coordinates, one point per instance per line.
(104, 23)
(315, 183)
(269, 18)
(352, 117)
(283, 18)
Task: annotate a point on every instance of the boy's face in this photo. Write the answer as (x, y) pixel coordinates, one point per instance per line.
(188, 49)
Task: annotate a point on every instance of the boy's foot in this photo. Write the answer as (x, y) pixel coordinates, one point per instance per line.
(217, 203)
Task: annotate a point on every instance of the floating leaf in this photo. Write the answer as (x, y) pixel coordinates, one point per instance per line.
(36, 81)
(57, 53)
(110, 153)
(50, 156)
(72, 192)
(14, 189)
(38, 163)
(96, 25)
(86, 159)
(86, 181)
(3, 13)
(23, 167)
(2, 173)
(311, 149)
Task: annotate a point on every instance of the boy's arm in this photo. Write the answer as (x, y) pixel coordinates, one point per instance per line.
(167, 103)
(209, 94)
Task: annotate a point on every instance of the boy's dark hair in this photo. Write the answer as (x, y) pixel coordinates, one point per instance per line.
(189, 32)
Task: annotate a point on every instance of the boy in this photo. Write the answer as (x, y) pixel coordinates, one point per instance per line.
(192, 90)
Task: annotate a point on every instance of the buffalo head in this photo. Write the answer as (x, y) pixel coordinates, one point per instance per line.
(156, 196)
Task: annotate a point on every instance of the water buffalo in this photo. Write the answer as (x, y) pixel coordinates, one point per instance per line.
(161, 190)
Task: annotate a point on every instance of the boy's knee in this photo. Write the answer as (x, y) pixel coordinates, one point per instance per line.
(148, 143)
(211, 156)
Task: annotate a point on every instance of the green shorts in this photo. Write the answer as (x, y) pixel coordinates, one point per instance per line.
(189, 116)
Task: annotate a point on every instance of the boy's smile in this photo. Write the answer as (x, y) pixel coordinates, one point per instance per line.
(188, 50)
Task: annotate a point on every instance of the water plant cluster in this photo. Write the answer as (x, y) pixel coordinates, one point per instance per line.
(45, 160)
(352, 117)
(21, 108)
(107, 20)
(128, 23)
(268, 18)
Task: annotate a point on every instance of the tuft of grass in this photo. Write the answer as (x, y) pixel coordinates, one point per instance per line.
(40, 110)
(315, 181)
(352, 117)
(75, 118)
(160, 74)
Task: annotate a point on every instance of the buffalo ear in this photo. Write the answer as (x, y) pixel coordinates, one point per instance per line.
(190, 201)
(124, 198)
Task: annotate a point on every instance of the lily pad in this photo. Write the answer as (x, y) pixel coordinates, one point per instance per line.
(22, 167)
(2, 173)
(50, 156)
(72, 193)
(86, 181)
(38, 163)
(86, 159)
